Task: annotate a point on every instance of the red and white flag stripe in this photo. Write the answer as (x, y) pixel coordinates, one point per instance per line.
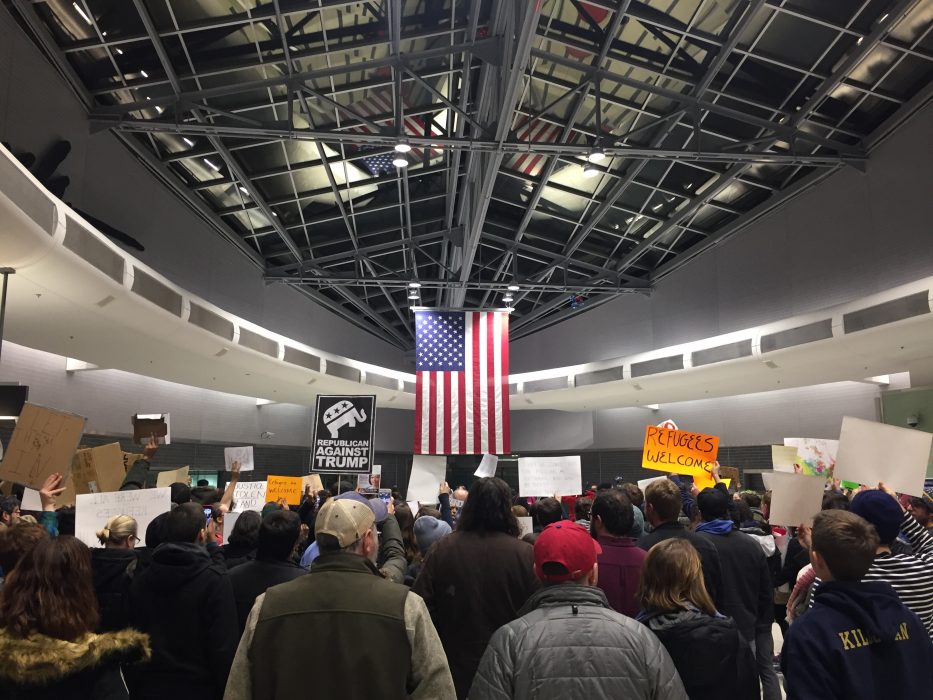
(468, 412)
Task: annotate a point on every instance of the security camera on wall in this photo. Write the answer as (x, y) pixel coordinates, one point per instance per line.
(913, 421)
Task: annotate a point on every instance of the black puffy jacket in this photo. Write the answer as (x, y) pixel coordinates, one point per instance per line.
(113, 571)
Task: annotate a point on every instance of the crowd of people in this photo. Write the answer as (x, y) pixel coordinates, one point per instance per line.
(666, 594)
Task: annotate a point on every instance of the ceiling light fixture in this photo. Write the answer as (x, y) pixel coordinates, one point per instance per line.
(402, 146)
(414, 285)
(144, 74)
(514, 287)
(508, 298)
(400, 161)
(597, 155)
(213, 165)
(81, 12)
(119, 51)
(882, 18)
(590, 170)
(657, 207)
(244, 190)
(413, 295)
(159, 109)
(188, 141)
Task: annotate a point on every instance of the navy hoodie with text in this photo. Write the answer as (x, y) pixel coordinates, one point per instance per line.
(858, 642)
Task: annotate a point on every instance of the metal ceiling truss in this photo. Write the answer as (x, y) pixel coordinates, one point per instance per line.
(694, 113)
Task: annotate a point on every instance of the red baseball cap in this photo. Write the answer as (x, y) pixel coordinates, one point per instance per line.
(568, 544)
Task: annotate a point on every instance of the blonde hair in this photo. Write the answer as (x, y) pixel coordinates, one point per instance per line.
(672, 578)
(117, 529)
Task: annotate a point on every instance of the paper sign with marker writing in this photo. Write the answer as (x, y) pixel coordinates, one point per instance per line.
(287, 487)
(795, 498)
(93, 510)
(249, 495)
(173, 476)
(427, 473)
(871, 452)
(643, 484)
(816, 456)
(243, 455)
(44, 442)
(678, 451)
(312, 480)
(525, 525)
(229, 523)
(783, 458)
(487, 467)
(549, 476)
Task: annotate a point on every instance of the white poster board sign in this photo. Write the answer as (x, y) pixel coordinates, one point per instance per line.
(229, 523)
(526, 526)
(427, 474)
(783, 458)
(870, 452)
(243, 455)
(93, 510)
(249, 495)
(643, 484)
(414, 506)
(795, 498)
(31, 500)
(487, 467)
(549, 476)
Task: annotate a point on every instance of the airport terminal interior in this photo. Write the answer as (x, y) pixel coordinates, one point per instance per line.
(449, 349)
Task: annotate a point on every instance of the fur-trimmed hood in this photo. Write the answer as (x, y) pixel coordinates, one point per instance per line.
(41, 660)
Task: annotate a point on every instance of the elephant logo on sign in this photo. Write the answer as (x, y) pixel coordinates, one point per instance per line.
(341, 414)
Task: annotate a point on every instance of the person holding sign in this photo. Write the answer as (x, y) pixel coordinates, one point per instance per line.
(858, 641)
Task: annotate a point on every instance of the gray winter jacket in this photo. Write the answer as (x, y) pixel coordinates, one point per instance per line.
(569, 643)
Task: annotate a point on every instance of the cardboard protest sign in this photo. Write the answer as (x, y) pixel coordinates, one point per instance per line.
(287, 487)
(44, 442)
(249, 495)
(243, 455)
(525, 525)
(92, 511)
(487, 467)
(130, 458)
(783, 458)
(549, 476)
(871, 452)
(229, 523)
(147, 425)
(678, 451)
(816, 457)
(312, 480)
(427, 474)
(643, 483)
(173, 476)
(730, 474)
(342, 442)
(372, 481)
(795, 498)
(98, 469)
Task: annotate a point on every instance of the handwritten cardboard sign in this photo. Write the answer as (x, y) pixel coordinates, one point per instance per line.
(249, 495)
(312, 480)
(549, 476)
(92, 510)
(678, 451)
(98, 469)
(148, 425)
(287, 487)
(173, 476)
(44, 442)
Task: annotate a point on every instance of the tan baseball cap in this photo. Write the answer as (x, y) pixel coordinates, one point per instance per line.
(344, 519)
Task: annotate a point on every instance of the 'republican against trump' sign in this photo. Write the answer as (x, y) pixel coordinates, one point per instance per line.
(343, 434)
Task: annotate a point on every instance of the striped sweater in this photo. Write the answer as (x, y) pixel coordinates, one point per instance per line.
(910, 575)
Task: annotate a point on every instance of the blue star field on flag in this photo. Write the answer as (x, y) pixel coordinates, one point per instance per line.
(440, 341)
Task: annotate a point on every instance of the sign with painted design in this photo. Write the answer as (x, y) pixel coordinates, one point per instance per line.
(342, 442)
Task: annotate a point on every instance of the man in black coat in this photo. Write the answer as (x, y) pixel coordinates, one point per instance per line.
(662, 509)
(747, 594)
(184, 601)
(278, 534)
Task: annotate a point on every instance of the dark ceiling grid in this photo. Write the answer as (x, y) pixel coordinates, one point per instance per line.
(695, 103)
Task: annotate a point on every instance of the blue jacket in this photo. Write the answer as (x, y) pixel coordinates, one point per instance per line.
(857, 642)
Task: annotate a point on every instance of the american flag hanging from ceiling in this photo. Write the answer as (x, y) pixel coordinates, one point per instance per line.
(462, 391)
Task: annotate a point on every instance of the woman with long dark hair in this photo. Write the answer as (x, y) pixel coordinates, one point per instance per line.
(48, 612)
(476, 579)
(711, 656)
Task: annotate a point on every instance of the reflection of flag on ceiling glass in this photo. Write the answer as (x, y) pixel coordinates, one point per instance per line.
(375, 105)
(462, 395)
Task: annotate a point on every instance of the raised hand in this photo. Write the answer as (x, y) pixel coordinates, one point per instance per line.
(51, 489)
(151, 447)
(445, 487)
